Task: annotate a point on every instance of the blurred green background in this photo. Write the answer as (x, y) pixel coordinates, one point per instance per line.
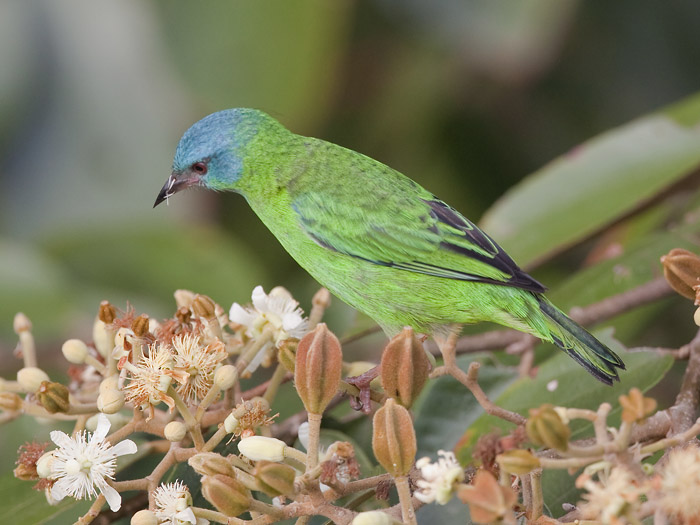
(466, 97)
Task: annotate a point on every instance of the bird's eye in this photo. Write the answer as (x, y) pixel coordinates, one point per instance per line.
(199, 167)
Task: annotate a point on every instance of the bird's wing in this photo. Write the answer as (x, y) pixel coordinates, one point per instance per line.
(407, 228)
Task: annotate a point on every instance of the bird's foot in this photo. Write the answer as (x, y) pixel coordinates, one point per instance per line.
(362, 382)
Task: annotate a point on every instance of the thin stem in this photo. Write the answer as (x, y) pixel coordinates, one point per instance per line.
(190, 422)
(314, 436)
(247, 356)
(96, 364)
(26, 340)
(274, 383)
(407, 512)
(93, 512)
(321, 301)
(211, 396)
(213, 441)
(536, 492)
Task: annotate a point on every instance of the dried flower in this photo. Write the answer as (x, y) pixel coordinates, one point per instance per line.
(405, 367)
(636, 407)
(615, 497)
(440, 479)
(680, 485)
(199, 362)
(545, 427)
(488, 501)
(319, 364)
(173, 504)
(249, 415)
(29, 454)
(394, 439)
(682, 271)
(339, 464)
(53, 397)
(151, 377)
(82, 463)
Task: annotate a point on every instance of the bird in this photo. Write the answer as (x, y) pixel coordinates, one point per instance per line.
(372, 236)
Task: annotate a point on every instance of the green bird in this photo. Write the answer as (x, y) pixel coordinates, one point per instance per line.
(372, 236)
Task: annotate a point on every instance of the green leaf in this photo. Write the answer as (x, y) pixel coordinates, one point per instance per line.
(595, 184)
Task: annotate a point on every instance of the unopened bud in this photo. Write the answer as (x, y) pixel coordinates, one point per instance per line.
(110, 401)
(204, 307)
(109, 383)
(175, 431)
(636, 407)
(258, 448)
(394, 439)
(287, 353)
(231, 424)
(140, 325)
(44, 465)
(228, 495)
(144, 517)
(21, 323)
(518, 461)
(225, 377)
(545, 427)
(696, 317)
(53, 397)
(107, 313)
(75, 351)
(374, 517)
(31, 377)
(10, 401)
(276, 479)
(210, 464)
(183, 298)
(405, 367)
(103, 338)
(682, 271)
(319, 364)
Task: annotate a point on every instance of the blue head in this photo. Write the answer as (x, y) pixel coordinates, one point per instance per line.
(211, 152)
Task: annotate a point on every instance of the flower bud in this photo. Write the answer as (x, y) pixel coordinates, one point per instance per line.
(107, 313)
(374, 517)
(287, 352)
(545, 427)
(319, 363)
(21, 323)
(10, 401)
(183, 298)
(276, 479)
(682, 271)
(109, 383)
(394, 439)
(144, 517)
(228, 495)
(258, 448)
(75, 351)
(44, 465)
(696, 317)
(405, 367)
(225, 377)
(175, 431)
(231, 424)
(210, 464)
(140, 326)
(204, 307)
(53, 397)
(31, 377)
(102, 338)
(110, 401)
(518, 461)
(636, 407)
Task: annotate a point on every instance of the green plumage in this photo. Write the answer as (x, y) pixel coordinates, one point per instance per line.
(372, 236)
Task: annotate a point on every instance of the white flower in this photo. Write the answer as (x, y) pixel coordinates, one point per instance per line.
(82, 463)
(199, 361)
(439, 479)
(277, 311)
(619, 495)
(173, 505)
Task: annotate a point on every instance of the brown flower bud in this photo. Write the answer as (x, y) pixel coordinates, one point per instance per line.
(405, 367)
(140, 325)
(488, 501)
(107, 313)
(287, 352)
(211, 464)
(394, 439)
(682, 271)
(228, 495)
(545, 427)
(53, 397)
(636, 407)
(518, 461)
(276, 479)
(319, 363)
(10, 401)
(204, 307)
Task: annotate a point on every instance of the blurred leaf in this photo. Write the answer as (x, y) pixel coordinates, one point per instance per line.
(596, 183)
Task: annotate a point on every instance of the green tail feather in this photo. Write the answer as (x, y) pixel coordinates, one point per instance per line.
(585, 349)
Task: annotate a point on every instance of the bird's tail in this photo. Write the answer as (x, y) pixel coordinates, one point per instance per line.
(576, 341)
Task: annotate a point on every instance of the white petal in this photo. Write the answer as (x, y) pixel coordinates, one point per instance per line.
(291, 320)
(303, 434)
(61, 439)
(260, 300)
(187, 515)
(124, 447)
(58, 490)
(240, 315)
(103, 425)
(257, 359)
(114, 500)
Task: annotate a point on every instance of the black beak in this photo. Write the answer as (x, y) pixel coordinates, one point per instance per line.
(171, 187)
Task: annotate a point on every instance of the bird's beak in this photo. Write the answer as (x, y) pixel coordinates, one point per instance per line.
(176, 182)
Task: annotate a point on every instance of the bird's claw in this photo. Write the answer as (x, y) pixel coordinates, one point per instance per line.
(362, 382)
